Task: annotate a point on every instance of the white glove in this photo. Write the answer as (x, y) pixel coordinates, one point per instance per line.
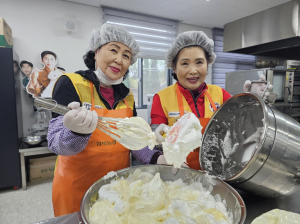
(261, 89)
(161, 160)
(79, 119)
(159, 131)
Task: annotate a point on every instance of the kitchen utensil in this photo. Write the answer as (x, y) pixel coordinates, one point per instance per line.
(265, 64)
(262, 144)
(128, 134)
(34, 140)
(234, 202)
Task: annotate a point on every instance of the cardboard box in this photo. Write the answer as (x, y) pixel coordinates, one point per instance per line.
(5, 34)
(42, 168)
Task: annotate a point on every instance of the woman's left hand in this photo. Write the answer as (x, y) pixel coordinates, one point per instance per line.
(262, 89)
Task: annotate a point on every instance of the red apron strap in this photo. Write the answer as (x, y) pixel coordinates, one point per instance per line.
(211, 101)
(180, 101)
(92, 91)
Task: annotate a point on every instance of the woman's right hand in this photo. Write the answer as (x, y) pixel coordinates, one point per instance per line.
(80, 120)
(159, 131)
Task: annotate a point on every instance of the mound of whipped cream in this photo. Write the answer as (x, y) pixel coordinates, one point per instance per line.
(277, 216)
(183, 137)
(144, 198)
(138, 131)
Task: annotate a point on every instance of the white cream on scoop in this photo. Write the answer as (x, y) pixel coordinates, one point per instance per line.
(140, 133)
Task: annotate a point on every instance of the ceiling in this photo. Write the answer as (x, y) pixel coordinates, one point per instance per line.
(210, 14)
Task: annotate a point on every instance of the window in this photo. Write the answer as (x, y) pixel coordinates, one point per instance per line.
(153, 34)
(132, 82)
(154, 77)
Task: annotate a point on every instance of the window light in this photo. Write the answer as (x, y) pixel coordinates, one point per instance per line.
(146, 28)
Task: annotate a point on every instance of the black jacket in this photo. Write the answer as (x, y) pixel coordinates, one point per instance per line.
(64, 92)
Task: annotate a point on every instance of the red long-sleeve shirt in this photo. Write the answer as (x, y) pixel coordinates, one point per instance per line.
(158, 116)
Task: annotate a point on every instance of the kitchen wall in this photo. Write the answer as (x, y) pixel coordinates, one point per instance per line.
(38, 25)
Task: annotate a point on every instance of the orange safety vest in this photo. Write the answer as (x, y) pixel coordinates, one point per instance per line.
(75, 174)
(167, 100)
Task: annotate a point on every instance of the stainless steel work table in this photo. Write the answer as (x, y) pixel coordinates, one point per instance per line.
(255, 207)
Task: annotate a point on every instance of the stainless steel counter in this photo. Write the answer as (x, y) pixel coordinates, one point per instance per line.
(255, 207)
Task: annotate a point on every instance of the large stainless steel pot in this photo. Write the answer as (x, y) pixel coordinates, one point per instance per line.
(233, 200)
(253, 146)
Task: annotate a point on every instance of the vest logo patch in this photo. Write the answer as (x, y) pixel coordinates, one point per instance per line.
(175, 113)
(104, 143)
(88, 106)
(217, 106)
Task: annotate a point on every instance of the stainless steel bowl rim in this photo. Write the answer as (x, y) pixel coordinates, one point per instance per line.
(32, 138)
(235, 193)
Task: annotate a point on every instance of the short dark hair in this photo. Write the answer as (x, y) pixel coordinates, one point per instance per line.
(44, 53)
(26, 62)
(61, 68)
(89, 61)
(175, 60)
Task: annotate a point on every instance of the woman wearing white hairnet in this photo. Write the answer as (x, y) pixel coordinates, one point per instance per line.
(189, 56)
(86, 154)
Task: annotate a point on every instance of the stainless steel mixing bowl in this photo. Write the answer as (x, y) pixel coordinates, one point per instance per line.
(265, 64)
(34, 140)
(234, 202)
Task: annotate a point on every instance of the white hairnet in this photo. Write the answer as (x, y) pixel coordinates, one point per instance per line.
(190, 38)
(112, 33)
